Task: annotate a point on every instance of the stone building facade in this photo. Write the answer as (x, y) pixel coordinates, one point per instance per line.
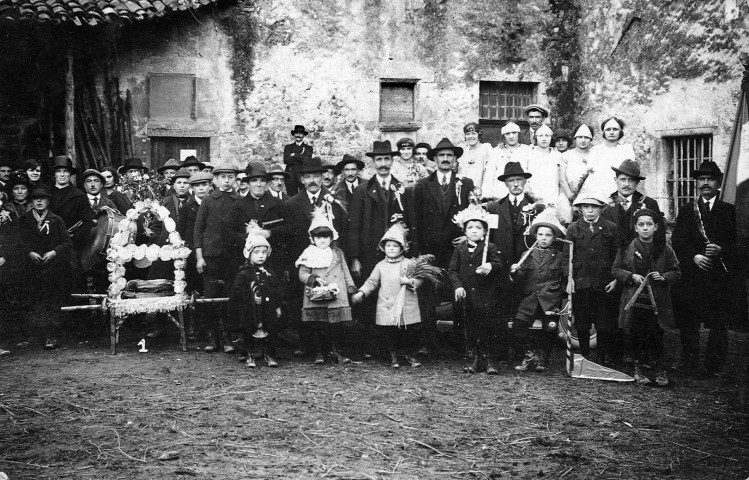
(231, 81)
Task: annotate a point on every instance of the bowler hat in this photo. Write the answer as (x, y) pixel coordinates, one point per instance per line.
(381, 148)
(350, 159)
(445, 144)
(192, 161)
(181, 173)
(132, 163)
(299, 129)
(63, 161)
(708, 168)
(93, 173)
(41, 191)
(278, 170)
(172, 164)
(629, 168)
(513, 169)
(256, 169)
(313, 166)
(544, 111)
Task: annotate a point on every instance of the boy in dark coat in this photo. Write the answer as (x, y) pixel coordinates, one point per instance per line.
(540, 278)
(595, 242)
(475, 280)
(646, 256)
(48, 249)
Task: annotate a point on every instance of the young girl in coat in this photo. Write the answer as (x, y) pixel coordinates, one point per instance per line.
(389, 275)
(322, 269)
(648, 256)
(255, 301)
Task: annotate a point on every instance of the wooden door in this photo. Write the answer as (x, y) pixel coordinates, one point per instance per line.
(164, 148)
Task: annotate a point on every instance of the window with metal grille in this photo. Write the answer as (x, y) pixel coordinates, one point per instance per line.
(396, 101)
(500, 102)
(686, 153)
(171, 96)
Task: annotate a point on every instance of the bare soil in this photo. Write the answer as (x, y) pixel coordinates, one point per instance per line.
(81, 413)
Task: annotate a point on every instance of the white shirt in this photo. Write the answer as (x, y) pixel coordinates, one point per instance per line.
(199, 200)
(92, 199)
(709, 203)
(446, 176)
(310, 195)
(352, 185)
(387, 181)
(515, 199)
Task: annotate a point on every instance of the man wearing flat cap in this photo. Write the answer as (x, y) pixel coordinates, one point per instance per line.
(294, 155)
(93, 183)
(536, 115)
(704, 240)
(476, 155)
(511, 150)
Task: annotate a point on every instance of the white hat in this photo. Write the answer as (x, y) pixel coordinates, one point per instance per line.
(320, 220)
(583, 131)
(510, 127)
(545, 128)
(472, 212)
(589, 200)
(395, 233)
(256, 237)
(548, 218)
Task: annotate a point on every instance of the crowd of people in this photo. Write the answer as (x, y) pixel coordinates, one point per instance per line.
(504, 239)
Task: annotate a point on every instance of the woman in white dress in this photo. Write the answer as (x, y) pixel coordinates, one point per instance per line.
(607, 155)
(545, 163)
(577, 162)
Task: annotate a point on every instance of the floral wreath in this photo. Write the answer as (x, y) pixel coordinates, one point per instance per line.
(122, 250)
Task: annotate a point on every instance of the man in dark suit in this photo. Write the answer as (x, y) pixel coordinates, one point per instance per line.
(627, 200)
(351, 168)
(277, 178)
(69, 203)
(437, 198)
(704, 240)
(93, 182)
(294, 156)
(111, 179)
(298, 217)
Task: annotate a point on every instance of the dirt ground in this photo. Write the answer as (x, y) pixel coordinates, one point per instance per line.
(81, 413)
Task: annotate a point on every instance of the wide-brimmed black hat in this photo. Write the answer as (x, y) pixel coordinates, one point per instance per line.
(350, 159)
(278, 170)
(445, 144)
(629, 168)
(132, 163)
(172, 164)
(299, 129)
(513, 169)
(63, 161)
(708, 168)
(329, 165)
(313, 166)
(41, 191)
(255, 169)
(93, 173)
(381, 148)
(192, 161)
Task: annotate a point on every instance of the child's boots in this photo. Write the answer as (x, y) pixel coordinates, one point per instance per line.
(528, 362)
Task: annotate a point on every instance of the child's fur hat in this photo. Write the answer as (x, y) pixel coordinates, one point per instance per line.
(256, 237)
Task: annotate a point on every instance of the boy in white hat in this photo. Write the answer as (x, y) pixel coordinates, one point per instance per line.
(475, 279)
(255, 301)
(324, 272)
(541, 279)
(395, 318)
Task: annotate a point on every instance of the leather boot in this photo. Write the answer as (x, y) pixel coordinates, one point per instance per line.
(528, 361)
(490, 368)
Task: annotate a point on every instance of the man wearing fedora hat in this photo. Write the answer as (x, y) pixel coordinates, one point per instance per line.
(330, 175)
(704, 240)
(627, 200)
(536, 115)
(193, 165)
(258, 205)
(277, 178)
(437, 198)
(69, 203)
(93, 183)
(169, 168)
(295, 154)
(132, 168)
(350, 167)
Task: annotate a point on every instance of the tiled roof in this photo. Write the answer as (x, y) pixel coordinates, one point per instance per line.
(91, 12)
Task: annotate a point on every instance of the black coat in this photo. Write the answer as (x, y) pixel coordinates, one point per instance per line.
(213, 223)
(371, 212)
(51, 280)
(614, 212)
(120, 200)
(482, 291)
(594, 252)
(293, 156)
(268, 211)
(435, 229)
(244, 313)
(72, 206)
(298, 217)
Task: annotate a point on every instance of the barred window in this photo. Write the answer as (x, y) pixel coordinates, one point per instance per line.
(500, 102)
(686, 153)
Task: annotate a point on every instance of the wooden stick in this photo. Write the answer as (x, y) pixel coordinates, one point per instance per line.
(527, 254)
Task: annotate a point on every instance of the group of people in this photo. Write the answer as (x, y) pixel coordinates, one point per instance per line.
(510, 237)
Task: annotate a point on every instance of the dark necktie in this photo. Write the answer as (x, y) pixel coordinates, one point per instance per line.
(95, 202)
(444, 183)
(707, 208)
(314, 200)
(515, 202)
